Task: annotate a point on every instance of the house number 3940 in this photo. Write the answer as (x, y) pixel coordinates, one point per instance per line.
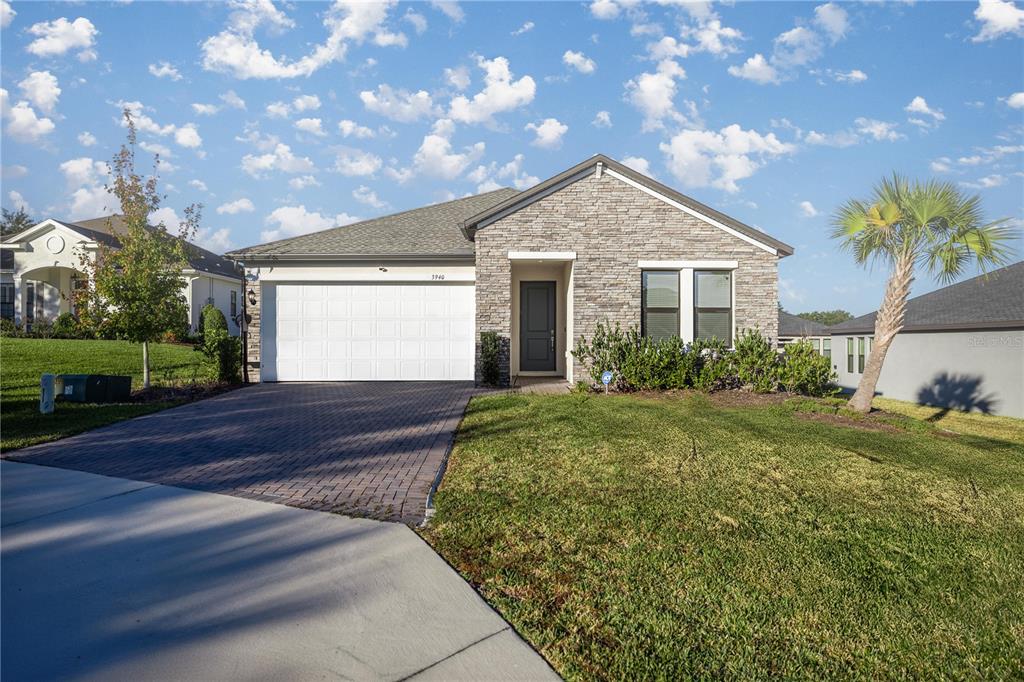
(437, 277)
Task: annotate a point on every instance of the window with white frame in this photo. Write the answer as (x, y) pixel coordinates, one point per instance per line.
(712, 305)
(660, 304)
(826, 348)
(7, 301)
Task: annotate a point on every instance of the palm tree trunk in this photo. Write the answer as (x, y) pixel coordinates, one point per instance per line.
(888, 324)
(145, 364)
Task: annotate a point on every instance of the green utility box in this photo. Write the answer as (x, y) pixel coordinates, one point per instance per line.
(94, 388)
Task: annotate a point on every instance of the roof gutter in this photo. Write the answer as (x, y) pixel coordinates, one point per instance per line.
(263, 257)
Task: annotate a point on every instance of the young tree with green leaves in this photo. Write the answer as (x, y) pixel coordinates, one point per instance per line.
(14, 222)
(908, 225)
(136, 288)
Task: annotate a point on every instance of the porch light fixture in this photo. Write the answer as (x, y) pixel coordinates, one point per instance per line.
(251, 296)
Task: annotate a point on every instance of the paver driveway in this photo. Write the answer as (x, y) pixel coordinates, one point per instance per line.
(366, 449)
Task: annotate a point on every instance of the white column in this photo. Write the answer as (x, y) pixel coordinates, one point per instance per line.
(686, 304)
(18, 300)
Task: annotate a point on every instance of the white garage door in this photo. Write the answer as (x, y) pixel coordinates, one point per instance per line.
(363, 332)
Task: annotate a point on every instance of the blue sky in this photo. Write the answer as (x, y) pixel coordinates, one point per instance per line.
(288, 117)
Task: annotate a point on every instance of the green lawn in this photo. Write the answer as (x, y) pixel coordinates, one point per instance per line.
(22, 361)
(670, 538)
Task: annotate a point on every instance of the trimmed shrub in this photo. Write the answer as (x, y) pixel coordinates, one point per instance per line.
(41, 329)
(9, 329)
(66, 327)
(805, 371)
(222, 351)
(489, 351)
(757, 362)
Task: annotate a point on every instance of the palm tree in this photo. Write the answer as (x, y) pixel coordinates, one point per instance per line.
(905, 226)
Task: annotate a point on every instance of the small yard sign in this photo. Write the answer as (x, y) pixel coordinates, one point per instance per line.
(606, 378)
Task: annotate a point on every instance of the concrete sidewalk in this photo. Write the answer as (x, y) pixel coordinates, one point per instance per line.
(105, 578)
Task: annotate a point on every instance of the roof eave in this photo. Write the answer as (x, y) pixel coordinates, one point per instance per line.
(252, 257)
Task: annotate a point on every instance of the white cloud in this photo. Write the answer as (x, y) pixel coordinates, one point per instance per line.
(306, 103)
(668, 48)
(756, 69)
(165, 70)
(352, 129)
(579, 61)
(199, 185)
(998, 18)
(19, 202)
(313, 126)
(548, 133)
(13, 172)
(188, 136)
(1016, 100)
(853, 76)
(22, 123)
(205, 109)
(877, 130)
(986, 182)
(6, 14)
(450, 9)
(210, 239)
(941, 165)
(354, 162)
(714, 38)
(525, 28)
(89, 198)
(974, 160)
(86, 139)
(155, 148)
(653, 94)
(807, 209)
(488, 177)
(398, 105)
(796, 47)
(701, 158)
(303, 182)
(918, 105)
(639, 164)
(278, 110)
(602, 120)
(436, 156)
(231, 99)
(604, 9)
(863, 129)
(833, 19)
(500, 93)
(237, 206)
(167, 217)
(41, 89)
(457, 77)
(235, 51)
(281, 159)
(418, 21)
(292, 221)
(54, 38)
(365, 195)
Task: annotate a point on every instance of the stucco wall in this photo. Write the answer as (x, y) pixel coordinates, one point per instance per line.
(611, 226)
(982, 371)
(202, 288)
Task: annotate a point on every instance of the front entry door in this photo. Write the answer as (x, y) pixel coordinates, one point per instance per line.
(537, 326)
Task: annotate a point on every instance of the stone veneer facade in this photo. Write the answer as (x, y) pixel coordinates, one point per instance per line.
(252, 341)
(611, 225)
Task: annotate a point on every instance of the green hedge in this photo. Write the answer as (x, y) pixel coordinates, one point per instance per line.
(640, 363)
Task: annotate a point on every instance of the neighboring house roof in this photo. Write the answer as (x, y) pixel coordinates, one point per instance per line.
(992, 301)
(473, 223)
(794, 326)
(431, 231)
(105, 230)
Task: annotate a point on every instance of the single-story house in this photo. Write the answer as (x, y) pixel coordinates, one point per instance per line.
(793, 328)
(961, 347)
(40, 268)
(407, 296)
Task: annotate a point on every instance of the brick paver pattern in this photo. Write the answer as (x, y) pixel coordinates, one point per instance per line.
(365, 449)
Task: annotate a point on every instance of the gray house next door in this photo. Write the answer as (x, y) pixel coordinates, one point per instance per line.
(537, 326)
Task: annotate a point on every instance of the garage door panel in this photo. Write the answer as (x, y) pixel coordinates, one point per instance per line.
(363, 332)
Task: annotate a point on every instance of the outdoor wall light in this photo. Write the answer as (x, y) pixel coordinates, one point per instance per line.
(252, 297)
(382, 269)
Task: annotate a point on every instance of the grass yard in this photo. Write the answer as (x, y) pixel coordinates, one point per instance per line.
(24, 360)
(675, 538)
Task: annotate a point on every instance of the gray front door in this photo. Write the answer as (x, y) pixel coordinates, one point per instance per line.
(537, 326)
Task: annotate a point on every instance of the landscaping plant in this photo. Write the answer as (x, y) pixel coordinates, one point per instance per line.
(908, 225)
(222, 350)
(489, 348)
(757, 362)
(136, 291)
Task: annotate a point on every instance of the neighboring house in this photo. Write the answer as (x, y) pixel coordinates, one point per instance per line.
(41, 267)
(961, 347)
(793, 328)
(407, 296)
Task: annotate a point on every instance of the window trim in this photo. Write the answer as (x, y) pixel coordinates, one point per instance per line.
(826, 347)
(862, 345)
(643, 300)
(849, 354)
(732, 302)
(234, 304)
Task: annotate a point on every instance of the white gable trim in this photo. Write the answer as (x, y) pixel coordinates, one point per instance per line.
(42, 228)
(696, 214)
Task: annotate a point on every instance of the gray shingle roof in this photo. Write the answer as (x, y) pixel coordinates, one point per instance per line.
(794, 326)
(782, 248)
(428, 231)
(105, 230)
(995, 301)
